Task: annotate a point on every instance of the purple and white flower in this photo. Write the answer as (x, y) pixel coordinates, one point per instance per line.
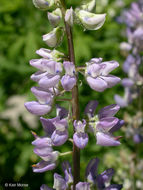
(68, 81)
(104, 124)
(80, 138)
(97, 74)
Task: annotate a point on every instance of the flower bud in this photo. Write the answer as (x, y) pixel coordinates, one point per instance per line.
(91, 21)
(54, 38)
(43, 4)
(69, 16)
(55, 17)
(88, 5)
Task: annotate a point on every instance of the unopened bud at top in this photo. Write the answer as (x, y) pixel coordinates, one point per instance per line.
(69, 16)
(91, 21)
(54, 38)
(43, 4)
(55, 17)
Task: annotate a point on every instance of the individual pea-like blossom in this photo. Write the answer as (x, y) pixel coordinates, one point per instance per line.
(97, 74)
(104, 124)
(56, 128)
(43, 148)
(92, 178)
(80, 138)
(44, 103)
(54, 38)
(48, 78)
(99, 180)
(56, 134)
(90, 21)
(54, 17)
(69, 16)
(68, 81)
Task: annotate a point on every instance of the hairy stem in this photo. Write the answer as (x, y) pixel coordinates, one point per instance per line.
(75, 101)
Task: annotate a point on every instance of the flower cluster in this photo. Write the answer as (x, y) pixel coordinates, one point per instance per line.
(57, 74)
(133, 18)
(93, 179)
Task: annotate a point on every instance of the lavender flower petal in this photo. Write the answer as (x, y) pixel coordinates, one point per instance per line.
(68, 82)
(61, 112)
(109, 66)
(104, 139)
(107, 123)
(91, 170)
(108, 111)
(59, 137)
(49, 81)
(59, 182)
(80, 139)
(37, 108)
(48, 126)
(97, 84)
(43, 166)
(68, 172)
(38, 75)
(111, 80)
(42, 95)
(117, 126)
(90, 108)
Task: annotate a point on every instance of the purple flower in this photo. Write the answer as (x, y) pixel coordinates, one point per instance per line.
(68, 172)
(92, 178)
(59, 182)
(68, 81)
(52, 76)
(43, 148)
(49, 74)
(43, 166)
(37, 108)
(104, 124)
(91, 170)
(45, 100)
(97, 75)
(56, 128)
(99, 180)
(80, 138)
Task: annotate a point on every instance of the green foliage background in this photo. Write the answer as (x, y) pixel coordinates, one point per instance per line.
(21, 28)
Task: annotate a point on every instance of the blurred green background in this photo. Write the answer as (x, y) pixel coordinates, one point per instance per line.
(21, 30)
